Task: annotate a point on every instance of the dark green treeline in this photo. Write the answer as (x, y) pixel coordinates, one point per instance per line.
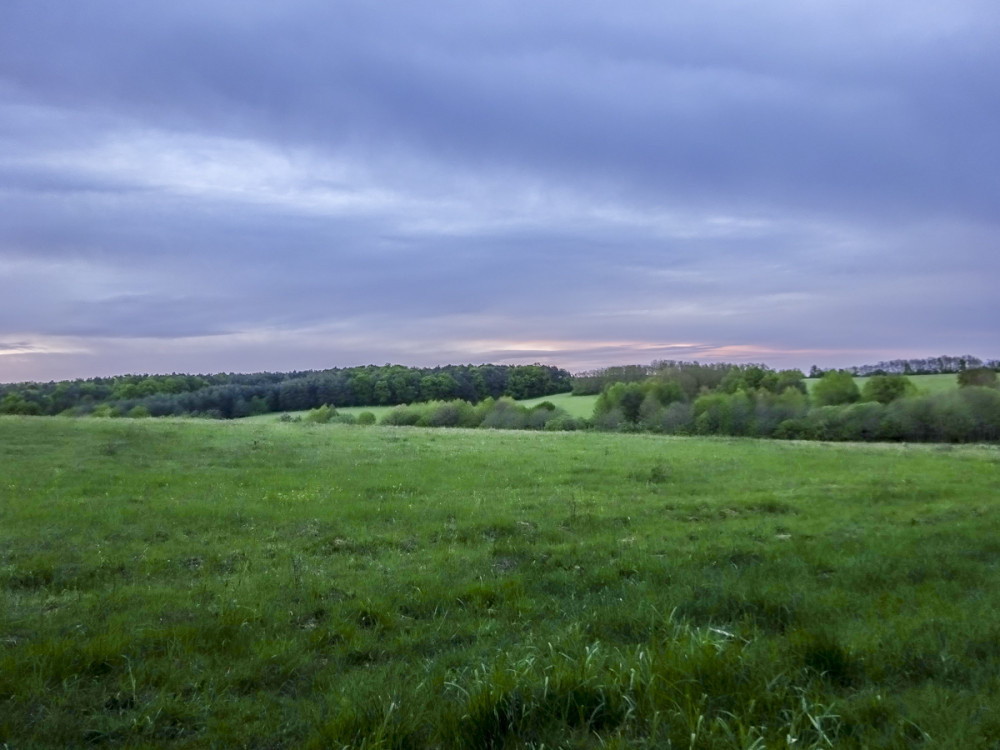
(229, 396)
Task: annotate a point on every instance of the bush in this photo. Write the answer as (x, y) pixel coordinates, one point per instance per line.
(666, 390)
(403, 416)
(625, 398)
(456, 413)
(887, 388)
(910, 419)
(771, 410)
(106, 410)
(651, 413)
(836, 387)
(677, 418)
(723, 414)
(536, 419)
(321, 414)
(562, 422)
(792, 429)
(366, 418)
(979, 376)
(544, 406)
(505, 415)
(984, 407)
(611, 420)
(861, 421)
(14, 403)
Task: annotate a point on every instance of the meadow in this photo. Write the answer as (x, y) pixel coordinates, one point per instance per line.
(187, 584)
(581, 407)
(925, 384)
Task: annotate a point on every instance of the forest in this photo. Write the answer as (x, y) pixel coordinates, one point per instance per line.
(666, 397)
(754, 401)
(230, 396)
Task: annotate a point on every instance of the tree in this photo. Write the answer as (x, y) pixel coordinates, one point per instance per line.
(631, 402)
(836, 387)
(887, 388)
(528, 381)
(15, 403)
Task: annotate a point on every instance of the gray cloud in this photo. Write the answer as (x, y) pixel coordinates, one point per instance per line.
(310, 184)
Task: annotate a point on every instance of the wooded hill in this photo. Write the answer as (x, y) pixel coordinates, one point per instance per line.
(230, 395)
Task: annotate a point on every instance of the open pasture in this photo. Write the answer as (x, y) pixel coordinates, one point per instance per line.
(187, 584)
(581, 407)
(925, 384)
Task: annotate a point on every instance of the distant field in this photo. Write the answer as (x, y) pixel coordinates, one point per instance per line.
(576, 406)
(187, 584)
(378, 411)
(926, 384)
(583, 406)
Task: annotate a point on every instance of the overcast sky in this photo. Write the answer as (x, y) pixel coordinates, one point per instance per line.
(217, 185)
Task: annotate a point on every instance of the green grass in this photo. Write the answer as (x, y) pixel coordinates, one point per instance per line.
(577, 406)
(187, 584)
(925, 384)
(931, 384)
(581, 407)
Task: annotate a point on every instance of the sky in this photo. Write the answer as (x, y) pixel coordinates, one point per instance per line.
(222, 186)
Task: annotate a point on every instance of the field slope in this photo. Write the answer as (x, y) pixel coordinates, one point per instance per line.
(203, 584)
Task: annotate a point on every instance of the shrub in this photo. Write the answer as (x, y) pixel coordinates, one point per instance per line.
(860, 421)
(106, 410)
(505, 415)
(906, 419)
(984, 408)
(952, 420)
(610, 420)
(821, 423)
(449, 414)
(666, 390)
(14, 403)
(321, 414)
(403, 416)
(536, 419)
(771, 410)
(836, 387)
(677, 418)
(651, 413)
(544, 406)
(792, 429)
(562, 422)
(722, 414)
(979, 376)
(944, 417)
(366, 418)
(887, 388)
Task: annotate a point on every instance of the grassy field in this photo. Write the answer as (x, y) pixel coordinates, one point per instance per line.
(577, 406)
(925, 384)
(189, 584)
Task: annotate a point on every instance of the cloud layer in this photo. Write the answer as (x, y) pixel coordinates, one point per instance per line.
(233, 186)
